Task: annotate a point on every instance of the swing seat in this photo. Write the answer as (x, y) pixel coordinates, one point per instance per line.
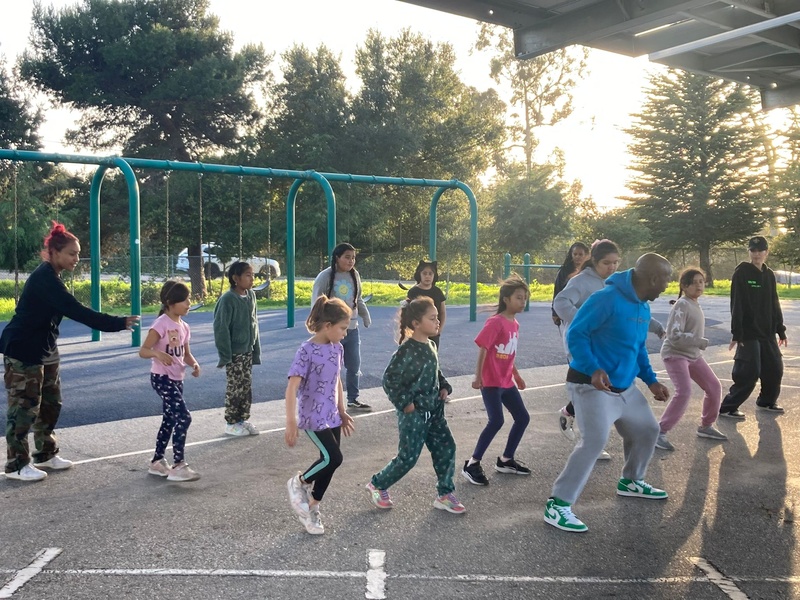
(263, 290)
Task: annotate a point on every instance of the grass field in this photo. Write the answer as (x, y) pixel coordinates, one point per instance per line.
(116, 294)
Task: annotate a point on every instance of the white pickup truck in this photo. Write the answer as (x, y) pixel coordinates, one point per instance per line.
(213, 266)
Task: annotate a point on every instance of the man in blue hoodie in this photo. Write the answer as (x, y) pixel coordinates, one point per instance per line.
(607, 343)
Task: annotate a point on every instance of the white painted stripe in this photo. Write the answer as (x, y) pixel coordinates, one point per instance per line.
(213, 573)
(725, 584)
(376, 575)
(23, 576)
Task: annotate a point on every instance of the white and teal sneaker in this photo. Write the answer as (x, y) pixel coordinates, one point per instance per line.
(639, 489)
(559, 514)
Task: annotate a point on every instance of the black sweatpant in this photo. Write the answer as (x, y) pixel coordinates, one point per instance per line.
(330, 457)
(754, 360)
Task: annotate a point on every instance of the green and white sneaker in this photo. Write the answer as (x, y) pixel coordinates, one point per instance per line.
(559, 514)
(639, 489)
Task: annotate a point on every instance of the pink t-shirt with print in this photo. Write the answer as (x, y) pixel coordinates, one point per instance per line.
(499, 337)
(173, 338)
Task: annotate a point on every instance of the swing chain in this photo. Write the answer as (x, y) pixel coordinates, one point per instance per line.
(168, 261)
(241, 253)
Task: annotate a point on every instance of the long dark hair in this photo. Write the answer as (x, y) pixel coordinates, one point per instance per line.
(507, 289)
(686, 279)
(600, 249)
(171, 293)
(410, 311)
(568, 266)
(335, 255)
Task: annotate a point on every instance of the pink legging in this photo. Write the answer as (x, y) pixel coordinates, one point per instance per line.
(682, 372)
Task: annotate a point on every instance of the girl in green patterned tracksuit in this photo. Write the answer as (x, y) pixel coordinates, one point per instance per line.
(417, 388)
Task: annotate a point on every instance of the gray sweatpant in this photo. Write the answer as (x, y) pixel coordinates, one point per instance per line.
(595, 412)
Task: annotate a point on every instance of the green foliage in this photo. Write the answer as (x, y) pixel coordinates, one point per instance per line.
(156, 77)
(622, 226)
(699, 164)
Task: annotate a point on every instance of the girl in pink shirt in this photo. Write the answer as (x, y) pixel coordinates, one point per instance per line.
(497, 378)
(167, 344)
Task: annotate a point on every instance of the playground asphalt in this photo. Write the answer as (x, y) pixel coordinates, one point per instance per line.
(107, 529)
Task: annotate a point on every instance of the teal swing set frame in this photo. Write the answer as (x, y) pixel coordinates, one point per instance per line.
(126, 166)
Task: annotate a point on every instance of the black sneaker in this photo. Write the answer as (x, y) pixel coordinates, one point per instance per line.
(771, 408)
(733, 414)
(474, 473)
(356, 405)
(511, 466)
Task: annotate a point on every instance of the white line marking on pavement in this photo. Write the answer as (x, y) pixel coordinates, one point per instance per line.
(212, 573)
(725, 584)
(376, 575)
(23, 576)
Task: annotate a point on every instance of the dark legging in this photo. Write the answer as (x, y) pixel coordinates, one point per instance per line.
(176, 419)
(494, 399)
(330, 457)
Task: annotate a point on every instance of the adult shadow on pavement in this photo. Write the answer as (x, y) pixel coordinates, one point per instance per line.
(751, 534)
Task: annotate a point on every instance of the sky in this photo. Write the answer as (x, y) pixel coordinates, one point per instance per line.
(592, 138)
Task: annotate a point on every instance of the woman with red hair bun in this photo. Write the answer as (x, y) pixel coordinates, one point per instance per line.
(31, 359)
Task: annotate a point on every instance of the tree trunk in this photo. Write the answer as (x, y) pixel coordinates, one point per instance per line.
(705, 264)
(196, 274)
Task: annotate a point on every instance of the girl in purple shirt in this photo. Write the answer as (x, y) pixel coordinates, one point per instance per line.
(315, 403)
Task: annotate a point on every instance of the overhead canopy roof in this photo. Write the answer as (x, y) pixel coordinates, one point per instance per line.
(755, 42)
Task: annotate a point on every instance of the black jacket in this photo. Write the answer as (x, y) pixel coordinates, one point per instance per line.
(755, 309)
(33, 330)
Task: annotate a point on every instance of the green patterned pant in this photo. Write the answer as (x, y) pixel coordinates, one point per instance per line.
(34, 402)
(239, 392)
(418, 429)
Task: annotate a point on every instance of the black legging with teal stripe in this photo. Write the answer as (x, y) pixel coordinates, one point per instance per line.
(330, 457)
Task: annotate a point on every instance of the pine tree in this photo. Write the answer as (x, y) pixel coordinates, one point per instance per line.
(700, 174)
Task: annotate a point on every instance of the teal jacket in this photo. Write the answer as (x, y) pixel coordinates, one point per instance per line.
(413, 376)
(236, 327)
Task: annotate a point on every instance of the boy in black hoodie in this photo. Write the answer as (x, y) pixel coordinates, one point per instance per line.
(756, 319)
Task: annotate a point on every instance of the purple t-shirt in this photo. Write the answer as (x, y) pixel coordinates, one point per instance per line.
(173, 338)
(318, 365)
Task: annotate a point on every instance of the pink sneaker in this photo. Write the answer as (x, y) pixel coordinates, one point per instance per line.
(380, 498)
(450, 503)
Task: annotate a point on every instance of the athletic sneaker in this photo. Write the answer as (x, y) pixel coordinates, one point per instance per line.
(380, 498)
(511, 466)
(559, 514)
(770, 408)
(474, 473)
(604, 456)
(733, 414)
(298, 494)
(27, 473)
(236, 429)
(56, 463)
(250, 428)
(639, 489)
(450, 503)
(711, 433)
(159, 467)
(313, 522)
(566, 423)
(356, 405)
(663, 443)
(182, 472)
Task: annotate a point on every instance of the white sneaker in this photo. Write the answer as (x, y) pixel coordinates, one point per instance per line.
(250, 428)
(604, 456)
(56, 463)
(182, 472)
(160, 468)
(236, 429)
(566, 423)
(27, 473)
(313, 523)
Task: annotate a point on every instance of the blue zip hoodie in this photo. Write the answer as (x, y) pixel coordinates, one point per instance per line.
(609, 333)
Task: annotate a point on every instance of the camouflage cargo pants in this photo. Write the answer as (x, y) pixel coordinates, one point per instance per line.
(239, 391)
(34, 402)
